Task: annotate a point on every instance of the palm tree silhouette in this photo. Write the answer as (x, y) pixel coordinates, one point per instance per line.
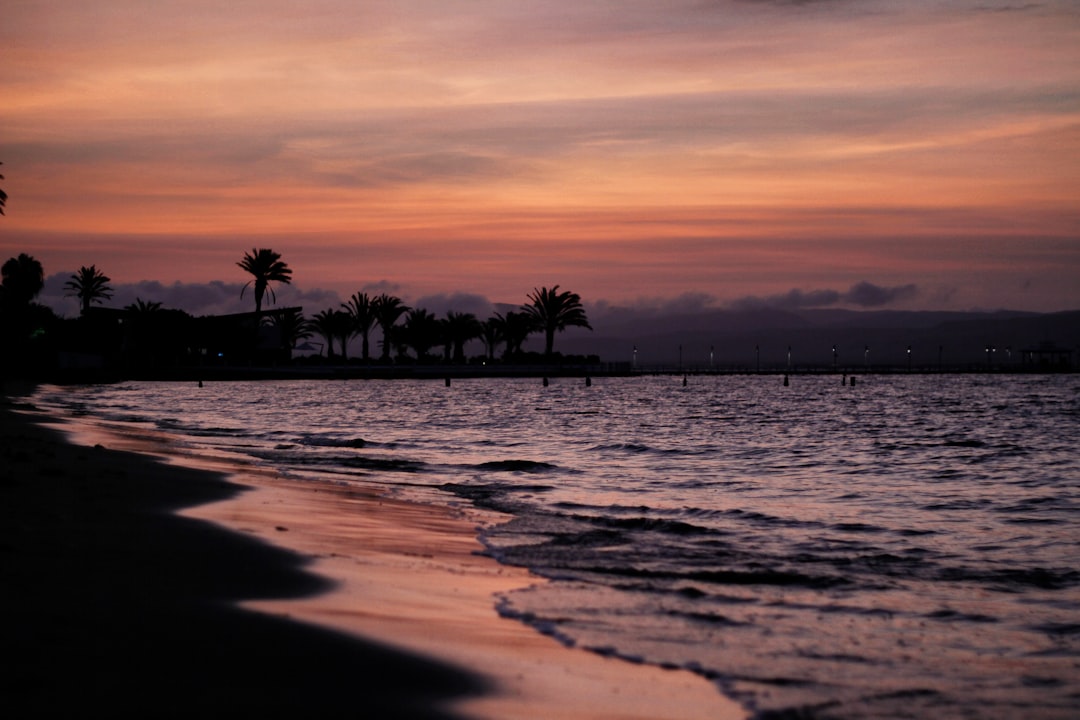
(361, 309)
(90, 285)
(387, 309)
(460, 328)
(143, 307)
(325, 324)
(515, 328)
(553, 311)
(23, 279)
(266, 267)
(292, 327)
(491, 333)
(422, 331)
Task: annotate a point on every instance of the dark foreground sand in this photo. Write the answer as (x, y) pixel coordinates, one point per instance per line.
(116, 604)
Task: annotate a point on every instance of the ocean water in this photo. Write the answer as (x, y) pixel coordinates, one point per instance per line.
(908, 547)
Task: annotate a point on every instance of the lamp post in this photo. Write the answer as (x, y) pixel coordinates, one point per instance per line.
(909, 358)
(834, 358)
(866, 356)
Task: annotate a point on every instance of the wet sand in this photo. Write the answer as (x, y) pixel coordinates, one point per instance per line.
(137, 585)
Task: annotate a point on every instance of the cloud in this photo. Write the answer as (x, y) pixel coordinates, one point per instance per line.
(462, 302)
(866, 294)
(862, 294)
(381, 287)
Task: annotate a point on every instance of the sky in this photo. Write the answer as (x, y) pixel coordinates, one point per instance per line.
(829, 153)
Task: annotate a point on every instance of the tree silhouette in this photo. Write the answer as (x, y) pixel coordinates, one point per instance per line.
(20, 318)
(325, 324)
(460, 328)
(23, 279)
(554, 311)
(515, 328)
(422, 331)
(361, 309)
(90, 285)
(292, 327)
(387, 309)
(154, 335)
(143, 307)
(491, 333)
(265, 267)
(343, 327)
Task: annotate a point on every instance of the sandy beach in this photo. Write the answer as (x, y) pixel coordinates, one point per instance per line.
(142, 582)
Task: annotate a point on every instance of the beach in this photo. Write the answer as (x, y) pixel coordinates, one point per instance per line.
(140, 581)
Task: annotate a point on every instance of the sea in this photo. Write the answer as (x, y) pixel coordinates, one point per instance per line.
(907, 547)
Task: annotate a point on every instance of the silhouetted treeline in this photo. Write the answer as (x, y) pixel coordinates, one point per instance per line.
(145, 338)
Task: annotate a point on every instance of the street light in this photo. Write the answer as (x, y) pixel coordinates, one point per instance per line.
(909, 358)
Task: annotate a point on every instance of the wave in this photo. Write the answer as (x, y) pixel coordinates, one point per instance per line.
(523, 466)
(322, 441)
(648, 449)
(328, 463)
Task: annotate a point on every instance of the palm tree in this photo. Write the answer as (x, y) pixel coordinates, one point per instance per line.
(422, 331)
(143, 307)
(266, 267)
(491, 333)
(515, 328)
(325, 325)
(555, 311)
(460, 328)
(143, 336)
(399, 341)
(387, 309)
(361, 309)
(89, 285)
(23, 279)
(292, 327)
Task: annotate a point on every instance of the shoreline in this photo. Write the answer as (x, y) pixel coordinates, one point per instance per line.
(449, 373)
(393, 588)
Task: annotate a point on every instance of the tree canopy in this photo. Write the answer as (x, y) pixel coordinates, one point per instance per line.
(23, 279)
(266, 267)
(90, 285)
(552, 311)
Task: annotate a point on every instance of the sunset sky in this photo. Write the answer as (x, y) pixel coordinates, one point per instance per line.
(633, 151)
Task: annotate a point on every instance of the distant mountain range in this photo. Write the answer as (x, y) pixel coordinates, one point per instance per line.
(726, 338)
